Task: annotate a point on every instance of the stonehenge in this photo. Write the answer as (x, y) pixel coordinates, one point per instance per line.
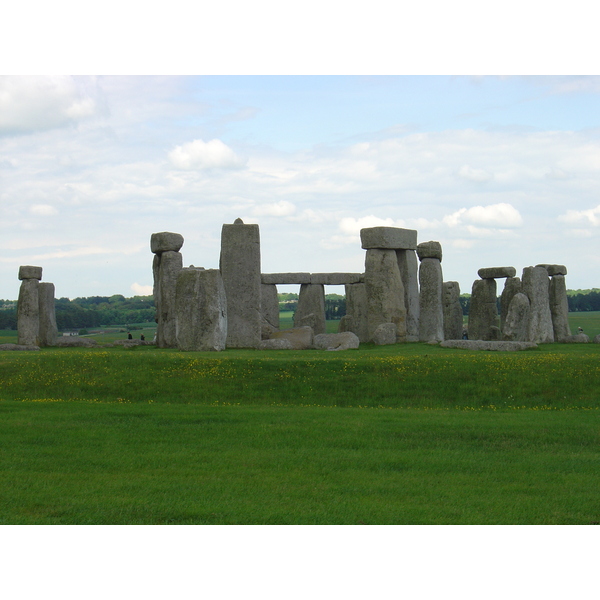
(36, 317)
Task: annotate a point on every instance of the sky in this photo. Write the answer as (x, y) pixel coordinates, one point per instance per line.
(502, 170)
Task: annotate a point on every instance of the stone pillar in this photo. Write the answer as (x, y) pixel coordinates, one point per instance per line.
(240, 268)
(512, 286)
(355, 319)
(483, 310)
(431, 326)
(311, 307)
(201, 310)
(269, 310)
(385, 292)
(168, 261)
(453, 314)
(536, 286)
(559, 304)
(48, 332)
(516, 322)
(28, 306)
(409, 272)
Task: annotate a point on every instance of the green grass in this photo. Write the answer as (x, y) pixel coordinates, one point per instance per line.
(380, 435)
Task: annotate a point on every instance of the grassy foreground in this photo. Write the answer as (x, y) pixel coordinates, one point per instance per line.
(382, 435)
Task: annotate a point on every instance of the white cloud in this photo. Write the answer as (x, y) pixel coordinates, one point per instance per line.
(43, 210)
(205, 155)
(472, 174)
(500, 215)
(592, 216)
(352, 226)
(283, 208)
(141, 290)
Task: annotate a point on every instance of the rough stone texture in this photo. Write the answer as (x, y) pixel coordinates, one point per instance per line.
(76, 342)
(131, 343)
(388, 238)
(156, 286)
(28, 313)
(356, 309)
(453, 314)
(512, 286)
(201, 310)
(311, 308)
(488, 345)
(336, 341)
(169, 267)
(17, 347)
(483, 312)
(48, 332)
(385, 334)
(554, 269)
(285, 278)
(516, 323)
(346, 324)
(580, 338)
(409, 273)
(166, 242)
(275, 344)
(335, 278)
(496, 272)
(269, 306)
(385, 292)
(429, 250)
(301, 338)
(597, 339)
(29, 272)
(559, 307)
(240, 267)
(431, 326)
(495, 334)
(536, 287)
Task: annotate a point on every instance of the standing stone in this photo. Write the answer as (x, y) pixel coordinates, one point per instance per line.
(483, 311)
(431, 326)
(409, 272)
(171, 264)
(516, 323)
(48, 332)
(269, 310)
(356, 311)
(453, 314)
(28, 313)
(536, 286)
(311, 308)
(385, 292)
(512, 286)
(201, 310)
(240, 268)
(559, 307)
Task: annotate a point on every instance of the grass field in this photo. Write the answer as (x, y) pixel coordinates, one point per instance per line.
(408, 434)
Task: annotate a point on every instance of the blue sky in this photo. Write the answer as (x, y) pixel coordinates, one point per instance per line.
(503, 171)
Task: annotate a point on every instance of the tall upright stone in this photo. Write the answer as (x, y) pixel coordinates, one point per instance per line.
(453, 314)
(311, 307)
(512, 286)
(356, 311)
(431, 325)
(385, 292)
(48, 332)
(483, 310)
(559, 307)
(535, 285)
(269, 309)
(409, 272)
(516, 323)
(201, 310)
(28, 306)
(240, 268)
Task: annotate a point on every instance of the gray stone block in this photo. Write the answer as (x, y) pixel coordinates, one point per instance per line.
(580, 338)
(554, 269)
(170, 265)
(385, 334)
(596, 339)
(166, 242)
(356, 311)
(17, 347)
(301, 338)
(29, 272)
(311, 308)
(483, 312)
(269, 306)
(388, 238)
(496, 272)
(336, 341)
(516, 324)
(431, 326)
(429, 249)
(76, 342)
(536, 285)
(512, 286)
(276, 344)
(48, 333)
(501, 346)
(335, 278)
(559, 307)
(28, 313)
(409, 273)
(285, 278)
(453, 314)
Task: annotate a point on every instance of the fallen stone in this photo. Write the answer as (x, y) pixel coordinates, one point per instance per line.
(496, 272)
(301, 338)
(336, 341)
(501, 346)
(165, 242)
(132, 343)
(29, 272)
(580, 338)
(385, 334)
(388, 238)
(429, 250)
(596, 340)
(276, 344)
(18, 347)
(75, 342)
(554, 269)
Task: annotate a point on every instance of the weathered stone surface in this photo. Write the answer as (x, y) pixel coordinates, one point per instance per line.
(131, 343)
(453, 314)
(170, 265)
(512, 286)
(429, 250)
(311, 308)
(28, 313)
(496, 272)
(502, 346)
(201, 310)
(580, 338)
(166, 242)
(76, 342)
(275, 344)
(335, 278)
(385, 292)
(301, 338)
(346, 324)
(483, 311)
(388, 238)
(269, 305)
(48, 332)
(431, 326)
(240, 267)
(536, 287)
(336, 341)
(285, 278)
(385, 334)
(516, 324)
(597, 339)
(356, 309)
(559, 307)
(17, 347)
(554, 269)
(29, 272)
(409, 273)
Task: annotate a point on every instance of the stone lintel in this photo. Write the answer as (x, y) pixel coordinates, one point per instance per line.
(29, 272)
(336, 278)
(496, 272)
(388, 238)
(554, 269)
(165, 241)
(429, 249)
(285, 278)
(311, 278)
